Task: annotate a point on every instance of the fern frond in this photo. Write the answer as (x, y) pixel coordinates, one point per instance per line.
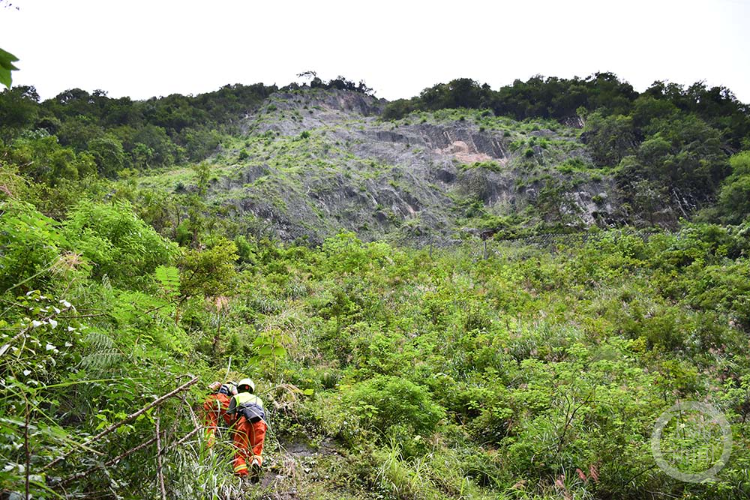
(101, 359)
(169, 280)
(99, 341)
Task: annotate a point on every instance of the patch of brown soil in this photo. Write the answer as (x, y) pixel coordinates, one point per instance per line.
(463, 152)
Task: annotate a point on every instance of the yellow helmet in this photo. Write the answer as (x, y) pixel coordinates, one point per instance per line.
(246, 385)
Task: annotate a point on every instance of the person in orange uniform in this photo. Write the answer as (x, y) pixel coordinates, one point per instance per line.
(246, 410)
(215, 407)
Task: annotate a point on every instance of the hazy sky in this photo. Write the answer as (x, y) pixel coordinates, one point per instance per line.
(159, 47)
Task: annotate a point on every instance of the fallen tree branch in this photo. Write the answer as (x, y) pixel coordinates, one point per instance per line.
(127, 419)
(107, 464)
(183, 439)
(128, 453)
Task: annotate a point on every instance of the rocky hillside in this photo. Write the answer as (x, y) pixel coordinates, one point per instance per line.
(314, 162)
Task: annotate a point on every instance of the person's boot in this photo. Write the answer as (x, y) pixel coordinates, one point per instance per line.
(255, 470)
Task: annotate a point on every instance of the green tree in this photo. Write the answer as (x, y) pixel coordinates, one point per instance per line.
(29, 244)
(734, 196)
(41, 157)
(209, 272)
(18, 110)
(609, 138)
(385, 401)
(685, 155)
(199, 142)
(162, 151)
(203, 172)
(63, 165)
(142, 156)
(108, 155)
(647, 108)
(78, 132)
(85, 165)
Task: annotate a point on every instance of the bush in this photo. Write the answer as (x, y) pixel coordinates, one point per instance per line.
(386, 401)
(117, 242)
(28, 243)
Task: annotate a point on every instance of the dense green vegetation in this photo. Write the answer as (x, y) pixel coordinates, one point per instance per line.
(78, 133)
(498, 369)
(560, 99)
(436, 376)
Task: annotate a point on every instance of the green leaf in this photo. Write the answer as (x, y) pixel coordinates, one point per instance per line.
(6, 66)
(6, 58)
(266, 350)
(308, 392)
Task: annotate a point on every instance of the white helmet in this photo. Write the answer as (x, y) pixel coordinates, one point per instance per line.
(246, 385)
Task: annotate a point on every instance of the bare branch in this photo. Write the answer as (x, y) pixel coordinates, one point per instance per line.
(159, 462)
(183, 439)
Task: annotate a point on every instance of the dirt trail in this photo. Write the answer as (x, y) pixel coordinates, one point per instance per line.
(284, 470)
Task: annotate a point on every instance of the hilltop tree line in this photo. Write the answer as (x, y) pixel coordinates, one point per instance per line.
(78, 133)
(563, 99)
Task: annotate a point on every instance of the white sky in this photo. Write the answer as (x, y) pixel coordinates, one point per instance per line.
(158, 47)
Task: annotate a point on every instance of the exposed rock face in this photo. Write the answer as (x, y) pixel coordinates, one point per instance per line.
(400, 180)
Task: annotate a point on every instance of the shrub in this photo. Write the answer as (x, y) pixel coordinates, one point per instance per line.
(386, 401)
(28, 243)
(490, 165)
(121, 245)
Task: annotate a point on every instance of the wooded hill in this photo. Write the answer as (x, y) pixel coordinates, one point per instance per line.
(373, 266)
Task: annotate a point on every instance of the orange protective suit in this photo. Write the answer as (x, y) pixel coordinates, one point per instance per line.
(215, 407)
(248, 443)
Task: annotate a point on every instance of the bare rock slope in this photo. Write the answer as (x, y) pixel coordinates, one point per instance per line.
(316, 162)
